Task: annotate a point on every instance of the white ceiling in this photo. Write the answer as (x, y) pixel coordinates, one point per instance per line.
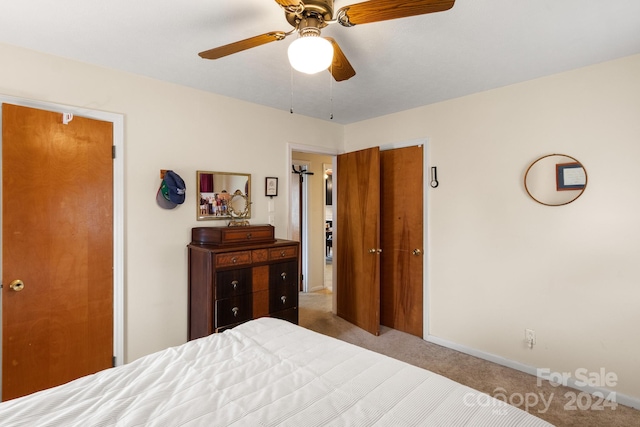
(400, 64)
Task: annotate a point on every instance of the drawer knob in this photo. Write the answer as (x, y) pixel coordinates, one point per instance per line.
(235, 284)
(284, 299)
(234, 260)
(282, 254)
(249, 236)
(283, 275)
(235, 311)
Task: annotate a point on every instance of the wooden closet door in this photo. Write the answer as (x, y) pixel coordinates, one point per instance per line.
(357, 241)
(57, 237)
(401, 282)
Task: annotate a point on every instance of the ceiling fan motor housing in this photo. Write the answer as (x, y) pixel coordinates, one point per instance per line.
(314, 12)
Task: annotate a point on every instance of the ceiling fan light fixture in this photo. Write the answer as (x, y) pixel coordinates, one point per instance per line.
(310, 53)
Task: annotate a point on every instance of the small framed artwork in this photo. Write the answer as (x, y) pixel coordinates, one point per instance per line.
(271, 186)
(570, 176)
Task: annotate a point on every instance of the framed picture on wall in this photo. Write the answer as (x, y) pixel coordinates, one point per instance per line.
(570, 176)
(271, 186)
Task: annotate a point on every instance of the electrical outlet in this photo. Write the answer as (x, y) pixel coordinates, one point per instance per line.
(530, 337)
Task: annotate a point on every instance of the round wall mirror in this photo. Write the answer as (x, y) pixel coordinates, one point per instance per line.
(555, 179)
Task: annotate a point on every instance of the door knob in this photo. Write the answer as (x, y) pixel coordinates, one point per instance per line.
(374, 250)
(17, 285)
(417, 252)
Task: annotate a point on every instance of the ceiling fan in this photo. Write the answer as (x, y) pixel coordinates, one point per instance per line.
(308, 17)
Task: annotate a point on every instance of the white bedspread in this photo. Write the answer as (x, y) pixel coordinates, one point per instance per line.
(266, 372)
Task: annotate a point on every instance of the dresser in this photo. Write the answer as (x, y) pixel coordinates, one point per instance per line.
(240, 273)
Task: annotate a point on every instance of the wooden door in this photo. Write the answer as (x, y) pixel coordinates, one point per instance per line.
(57, 237)
(358, 238)
(401, 283)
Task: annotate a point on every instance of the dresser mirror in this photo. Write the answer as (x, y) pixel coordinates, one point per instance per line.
(555, 179)
(216, 191)
(239, 209)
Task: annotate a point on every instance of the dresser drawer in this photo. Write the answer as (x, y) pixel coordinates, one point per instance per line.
(283, 273)
(283, 297)
(232, 235)
(283, 252)
(230, 283)
(233, 259)
(233, 310)
(248, 234)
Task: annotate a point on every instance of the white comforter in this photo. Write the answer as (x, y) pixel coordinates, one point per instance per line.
(266, 372)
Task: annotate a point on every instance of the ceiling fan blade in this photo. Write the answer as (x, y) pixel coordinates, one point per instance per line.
(288, 3)
(382, 10)
(241, 45)
(340, 68)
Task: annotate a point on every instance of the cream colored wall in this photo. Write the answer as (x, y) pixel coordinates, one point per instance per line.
(316, 233)
(498, 262)
(169, 127)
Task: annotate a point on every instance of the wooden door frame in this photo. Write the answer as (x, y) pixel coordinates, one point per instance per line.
(118, 208)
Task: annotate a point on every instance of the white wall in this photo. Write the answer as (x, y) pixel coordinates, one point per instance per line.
(169, 127)
(500, 262)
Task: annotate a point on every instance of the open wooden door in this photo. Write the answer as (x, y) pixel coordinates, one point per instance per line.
(357, 242)
(57, 249)
(401, 283)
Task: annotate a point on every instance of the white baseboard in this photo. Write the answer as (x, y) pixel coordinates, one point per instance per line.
(571, 382)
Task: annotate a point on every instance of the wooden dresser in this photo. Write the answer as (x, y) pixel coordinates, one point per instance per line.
(240, 273)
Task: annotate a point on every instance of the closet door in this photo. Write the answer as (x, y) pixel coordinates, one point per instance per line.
(57, 238)
(401, 271)
(357, 241)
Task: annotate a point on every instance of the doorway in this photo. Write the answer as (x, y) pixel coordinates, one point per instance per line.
(328, 223)
(300, 216)
(114, 145)
(317, 277)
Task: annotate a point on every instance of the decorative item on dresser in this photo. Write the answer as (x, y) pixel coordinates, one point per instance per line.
(240, 273)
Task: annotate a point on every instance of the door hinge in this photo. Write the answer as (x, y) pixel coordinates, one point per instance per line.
(113, 151)
(113, 361)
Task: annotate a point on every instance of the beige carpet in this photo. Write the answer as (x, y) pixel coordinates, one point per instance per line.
(517, 387)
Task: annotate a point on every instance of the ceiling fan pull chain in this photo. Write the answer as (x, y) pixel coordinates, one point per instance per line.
(291, 101)
(331, 91)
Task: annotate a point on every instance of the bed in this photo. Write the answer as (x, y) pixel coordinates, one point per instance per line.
(266, 372)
